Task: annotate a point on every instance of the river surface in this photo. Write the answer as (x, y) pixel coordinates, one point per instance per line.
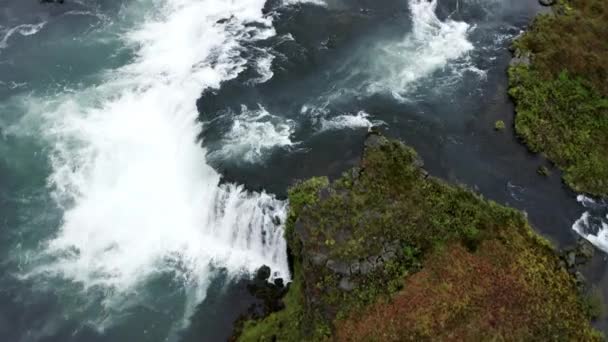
(146, 145)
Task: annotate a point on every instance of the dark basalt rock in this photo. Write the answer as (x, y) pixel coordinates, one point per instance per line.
(263, 273)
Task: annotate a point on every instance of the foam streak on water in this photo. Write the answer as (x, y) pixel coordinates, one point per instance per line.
(430, 46)
(23, 29)
(139, 196)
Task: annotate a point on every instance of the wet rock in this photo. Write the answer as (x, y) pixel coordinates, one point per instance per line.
(585, 249)
(346, 284)
(263, 273)
(547, 2)
(276, 220)
(279, 283)
(271, 5)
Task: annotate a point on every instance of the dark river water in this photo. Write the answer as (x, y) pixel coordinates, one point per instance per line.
(146, 146)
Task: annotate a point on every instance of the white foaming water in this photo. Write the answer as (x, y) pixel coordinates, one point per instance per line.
(429, 47)
(593, 224)
(140, 199)
(360, 120)
(253, 134)
(23, 29)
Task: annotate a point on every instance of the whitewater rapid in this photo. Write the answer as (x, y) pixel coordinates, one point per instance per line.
(138, 195)
(593, 223)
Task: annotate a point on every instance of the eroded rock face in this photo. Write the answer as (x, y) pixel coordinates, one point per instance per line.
(319, 247)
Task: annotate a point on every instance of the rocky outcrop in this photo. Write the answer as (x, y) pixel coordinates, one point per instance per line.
(573, 258)
(387, 250)
(547, 2)
(521, 58)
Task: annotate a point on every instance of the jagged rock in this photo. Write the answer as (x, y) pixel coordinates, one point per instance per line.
(354, 268)
(276, 220)
(585, 249)
(521, 58)
(374, 140)
(388, 256)
(346, 284)
(339, 267)
(579, 278)
(270, 6)
(547, 2)
(324, 194)
(571, 259)
(318, 259)
(365, 267)
(278, 282)
(263, 273)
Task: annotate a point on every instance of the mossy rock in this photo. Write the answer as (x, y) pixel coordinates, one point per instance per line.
(543, 171)
(423, 260)
(499, 125)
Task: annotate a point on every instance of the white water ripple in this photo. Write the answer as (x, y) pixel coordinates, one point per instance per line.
(23, 29)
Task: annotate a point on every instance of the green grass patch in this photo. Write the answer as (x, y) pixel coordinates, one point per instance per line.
(562, 98)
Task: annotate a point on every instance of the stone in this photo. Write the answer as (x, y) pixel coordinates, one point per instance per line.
(365, 267)
(547, 2)
(263, 273)
(585, 249)
(388, 255)
(346, 284)
(374, 140)
(318, 259)
(354, 268)
(339, 267)
(521, 58)
(276, 220)
(278, 282)
(579, 278)
(571, 259)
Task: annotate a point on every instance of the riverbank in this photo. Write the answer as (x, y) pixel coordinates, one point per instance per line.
(388, 251)
(558, 81)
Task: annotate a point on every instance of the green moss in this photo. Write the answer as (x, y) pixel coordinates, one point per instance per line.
(562, 98)
(499, 125)
(593, 303)
(389, 204)
(543, 171)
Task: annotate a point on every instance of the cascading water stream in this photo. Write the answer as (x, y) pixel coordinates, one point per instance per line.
(139, 198)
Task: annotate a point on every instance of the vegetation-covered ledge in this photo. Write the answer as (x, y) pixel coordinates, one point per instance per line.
(388, 253)
(559, 81)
